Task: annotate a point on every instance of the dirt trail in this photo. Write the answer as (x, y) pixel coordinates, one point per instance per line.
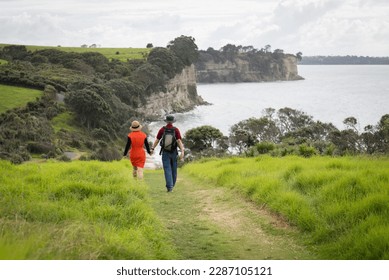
(208, 222)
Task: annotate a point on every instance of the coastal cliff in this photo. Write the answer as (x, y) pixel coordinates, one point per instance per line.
(258, 67)
(180, 96)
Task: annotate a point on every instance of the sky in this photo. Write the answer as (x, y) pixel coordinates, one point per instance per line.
(313, 27)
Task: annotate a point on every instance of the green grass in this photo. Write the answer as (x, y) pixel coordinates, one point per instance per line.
(342, 203)
(121, 54)
(77, 210)
(12, 97)
(214, 223)
(95, 210)
(65, 121)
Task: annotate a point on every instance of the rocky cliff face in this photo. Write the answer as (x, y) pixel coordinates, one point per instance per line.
(181, 96)
(243, 70)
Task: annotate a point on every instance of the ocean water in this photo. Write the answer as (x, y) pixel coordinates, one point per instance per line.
(329, 93)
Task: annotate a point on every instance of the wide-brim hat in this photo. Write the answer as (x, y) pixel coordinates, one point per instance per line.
(135, 126)
(170, 119)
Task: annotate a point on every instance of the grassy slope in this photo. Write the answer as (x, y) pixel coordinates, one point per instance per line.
(95, 210)
(342, 203)
(78, 210)
(208, 222)
(65, 121)
(121, 54)
(12, 97)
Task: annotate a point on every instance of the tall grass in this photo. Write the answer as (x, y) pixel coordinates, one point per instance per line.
(12, 97)
(77, 210)
(343, 203)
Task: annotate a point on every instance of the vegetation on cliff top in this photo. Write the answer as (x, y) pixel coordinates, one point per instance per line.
(101, 94)
(266, 64)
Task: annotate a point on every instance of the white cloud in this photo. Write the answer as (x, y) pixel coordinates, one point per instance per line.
(312, 26)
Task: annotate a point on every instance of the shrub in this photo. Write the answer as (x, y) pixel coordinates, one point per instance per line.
(101, 134)
(265, 147)
(107, 154)
(306, 151)
(40, 148)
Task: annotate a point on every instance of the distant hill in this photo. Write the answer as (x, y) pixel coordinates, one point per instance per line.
(345, 60)
(121, 54)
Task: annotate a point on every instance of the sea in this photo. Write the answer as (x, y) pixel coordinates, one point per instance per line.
(328, 93)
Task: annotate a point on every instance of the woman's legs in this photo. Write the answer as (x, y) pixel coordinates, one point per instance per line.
(140, 173)
(137, 172)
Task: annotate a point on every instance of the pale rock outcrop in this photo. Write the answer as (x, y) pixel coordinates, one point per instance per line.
(181, 96)
(240, 70)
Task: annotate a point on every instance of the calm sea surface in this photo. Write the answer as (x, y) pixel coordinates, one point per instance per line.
(328, 93)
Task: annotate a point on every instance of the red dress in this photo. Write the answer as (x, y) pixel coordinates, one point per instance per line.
(137, 152)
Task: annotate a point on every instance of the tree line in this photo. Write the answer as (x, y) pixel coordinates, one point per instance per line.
(289, 131)
(348, 59)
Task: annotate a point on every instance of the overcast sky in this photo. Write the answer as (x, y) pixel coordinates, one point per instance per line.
(314, 27)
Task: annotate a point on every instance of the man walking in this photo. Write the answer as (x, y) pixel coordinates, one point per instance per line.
(170, 138)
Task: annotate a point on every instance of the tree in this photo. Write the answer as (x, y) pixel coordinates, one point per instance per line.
(90, 107)
(128, 92)
(370, 139)
(202, 138)
(345, 141)
(150, 77)
(383, 134)
(290, 120)
(267, 48)
(185, 49)
(351, 123)
(97, 60)
(166, 60)
(278, 54)
(299, 56)
(241, 139)
(15, 52)
(230, 51)
(248, 132)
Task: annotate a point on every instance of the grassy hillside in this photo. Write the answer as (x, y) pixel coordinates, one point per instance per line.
(207, 222)
(78, 210)
(342, 203)
(121, 54)
(95, 210)
(12, 97)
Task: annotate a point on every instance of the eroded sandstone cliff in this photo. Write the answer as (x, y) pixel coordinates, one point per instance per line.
(181, 96)
(244, 70)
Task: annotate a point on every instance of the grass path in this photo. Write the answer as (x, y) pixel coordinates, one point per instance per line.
(209, 222)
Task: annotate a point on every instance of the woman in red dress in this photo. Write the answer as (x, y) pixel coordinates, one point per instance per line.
(135, 142)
